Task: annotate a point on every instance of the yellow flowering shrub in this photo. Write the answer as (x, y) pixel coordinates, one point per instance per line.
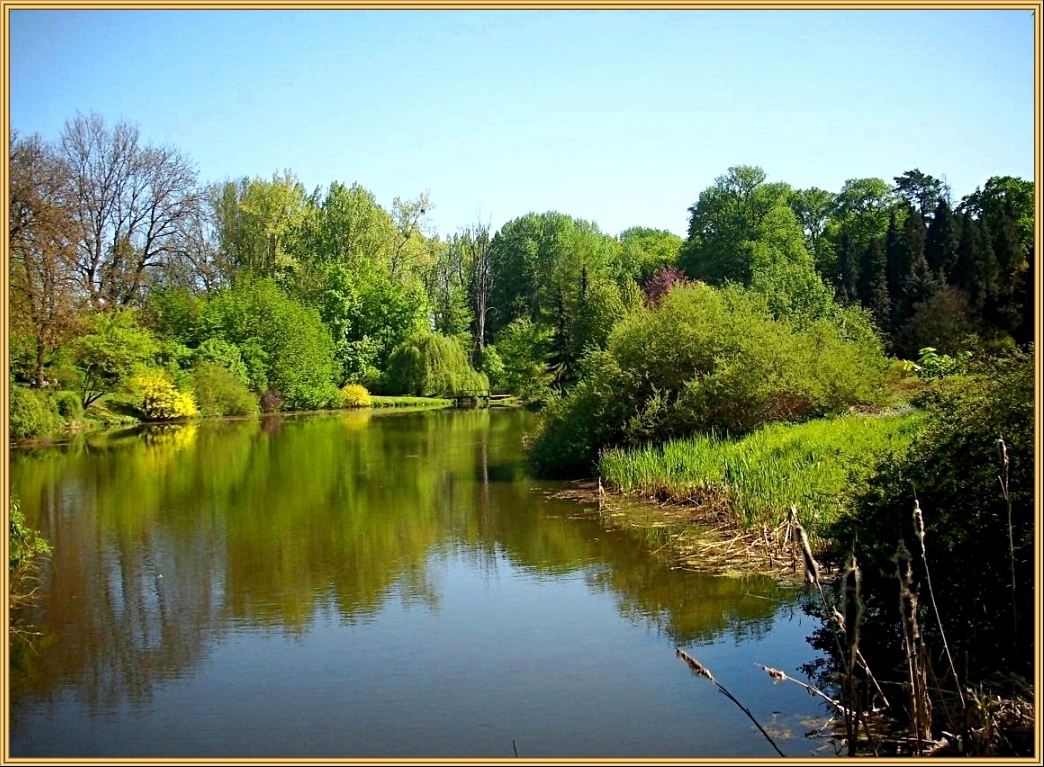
(161, 400)
(355, 395)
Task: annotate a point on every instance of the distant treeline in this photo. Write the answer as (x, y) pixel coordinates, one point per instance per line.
(127, 272)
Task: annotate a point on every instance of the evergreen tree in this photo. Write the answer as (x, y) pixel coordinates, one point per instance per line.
(1025, 285)
(848, 271)
(940, 247)
(873, 284)
(913, 282)
(976, 269)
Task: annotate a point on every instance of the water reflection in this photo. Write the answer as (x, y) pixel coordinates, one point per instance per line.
(170, 540)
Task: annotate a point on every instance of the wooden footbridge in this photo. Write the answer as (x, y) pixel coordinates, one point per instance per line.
(478, 398)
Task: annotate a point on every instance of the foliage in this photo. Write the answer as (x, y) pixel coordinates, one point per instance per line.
(220, 392)
(26, 545)
(707, 359)
(971, 470)
(221, 353)
(430, 364)
(111, 353)
(492, 366)
(160, 399)
(33, 413)
(644, 252)
(354, 395)
(68, 404)
(524, 348)
(930, 364)
(289, 340)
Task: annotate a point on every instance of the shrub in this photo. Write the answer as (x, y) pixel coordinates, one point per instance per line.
(707, 359)
(225, 355)
(33, 413)
(160, 399)
(26, 547)
(220, 392)
(68, 404)
(271, 401)
(955, 469)
(354, 395)
(430, 364)
(492, 366)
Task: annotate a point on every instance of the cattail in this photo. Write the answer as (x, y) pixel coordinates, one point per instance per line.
(695, 665)
(919, 524)
(811, 568)
(853, 609)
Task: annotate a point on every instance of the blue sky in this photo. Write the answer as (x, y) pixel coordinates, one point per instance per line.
(621, 118)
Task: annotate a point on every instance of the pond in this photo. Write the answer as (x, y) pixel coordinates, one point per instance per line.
(366, 584)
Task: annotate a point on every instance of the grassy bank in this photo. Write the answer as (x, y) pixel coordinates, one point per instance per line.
(814, 466)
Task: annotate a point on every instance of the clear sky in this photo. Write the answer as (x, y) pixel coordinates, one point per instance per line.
(619, 117)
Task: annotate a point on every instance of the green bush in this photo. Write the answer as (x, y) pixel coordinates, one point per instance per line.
(33, 413)
(431, 365)
(222, 353)
(354, 395)
(221, 392)
(707, 359)
(69, 405)
(955, 470)
(26, 544)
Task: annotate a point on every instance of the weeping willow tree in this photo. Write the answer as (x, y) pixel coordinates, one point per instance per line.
(430, 365)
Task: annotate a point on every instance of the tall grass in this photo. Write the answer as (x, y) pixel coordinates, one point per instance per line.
(814, 466)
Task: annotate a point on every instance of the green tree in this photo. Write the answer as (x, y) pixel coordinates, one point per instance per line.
(290, 339)
(813, 208)
(726, 216)
(873, 284)
(940, 246)
(524, 348)
(432, 365)
(258, 221)
(645, 252)
(114, 350)
(922, 192)
(537, 261)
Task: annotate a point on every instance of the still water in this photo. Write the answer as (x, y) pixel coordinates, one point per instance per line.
(373, 585)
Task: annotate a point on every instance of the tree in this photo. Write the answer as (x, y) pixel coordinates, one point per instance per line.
(922, 192)
(258, 221)
(725, 216)
(813, 209)
(940, 248)
(645, 252)
(131, 204)
(873, 284)
(44, 296)
(524, 349)
(412, 234)
(848, 270)
(430, 364)
(910, 280)
(479, 248)
(289, 339)
(109, 355)
(862, 210)
(975, 271)
(537, 261)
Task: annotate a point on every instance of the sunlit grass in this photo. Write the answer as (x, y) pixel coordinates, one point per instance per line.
(378, 401)
(814, 466)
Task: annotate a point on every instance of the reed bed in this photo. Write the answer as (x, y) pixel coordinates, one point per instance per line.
(814, 466)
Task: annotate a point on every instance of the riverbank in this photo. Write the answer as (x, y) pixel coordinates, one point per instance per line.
(713, 504)
(105, 414)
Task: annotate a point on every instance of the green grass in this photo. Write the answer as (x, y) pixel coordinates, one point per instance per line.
(378, 401)
(814, 466)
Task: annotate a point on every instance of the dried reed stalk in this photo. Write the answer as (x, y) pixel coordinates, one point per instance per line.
(700, 670)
